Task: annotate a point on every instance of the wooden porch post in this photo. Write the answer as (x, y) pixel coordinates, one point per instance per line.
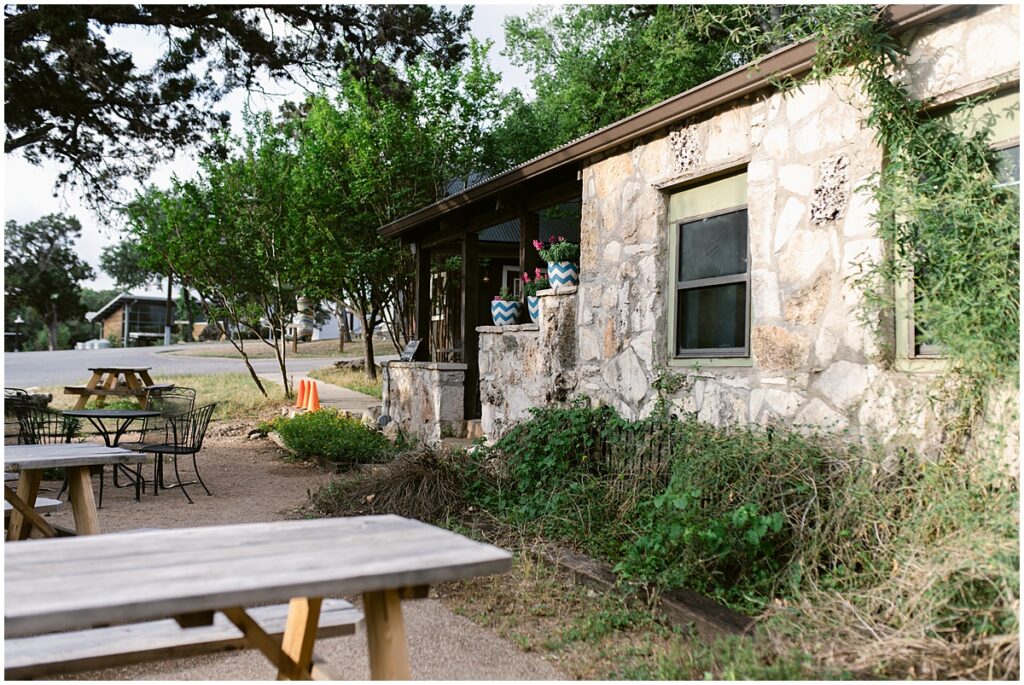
(470, 310)
(529, 230)
(422, 302)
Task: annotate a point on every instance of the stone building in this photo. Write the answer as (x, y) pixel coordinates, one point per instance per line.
(720, 231)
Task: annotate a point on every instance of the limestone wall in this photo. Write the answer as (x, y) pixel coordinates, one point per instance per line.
(529, 365)
(806, 154)
(425, 399)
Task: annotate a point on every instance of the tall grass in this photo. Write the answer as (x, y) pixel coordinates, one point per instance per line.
(353, 379)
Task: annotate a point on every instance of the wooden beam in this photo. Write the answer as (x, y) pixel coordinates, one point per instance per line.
(270, 647)
(19, 527)
(470, 315)
(529, 230)
(30, 515)
(423, 302)
(300, 632)
(385, 636)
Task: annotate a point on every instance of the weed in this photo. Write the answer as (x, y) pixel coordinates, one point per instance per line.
(333, 436)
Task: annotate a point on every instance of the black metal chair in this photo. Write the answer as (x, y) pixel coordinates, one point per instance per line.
(169, 402)
(37, 426)
(14, 398)
(183, 436)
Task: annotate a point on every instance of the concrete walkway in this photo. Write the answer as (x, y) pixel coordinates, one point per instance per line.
(333, 396)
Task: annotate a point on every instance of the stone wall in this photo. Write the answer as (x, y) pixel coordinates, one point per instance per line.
(806, 154)
(425, 399)
(529, 365)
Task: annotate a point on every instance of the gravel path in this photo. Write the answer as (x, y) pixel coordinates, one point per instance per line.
(250, 483)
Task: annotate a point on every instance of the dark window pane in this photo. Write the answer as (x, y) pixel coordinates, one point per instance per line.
(712, 318)
(716, 246)
(1008, 165)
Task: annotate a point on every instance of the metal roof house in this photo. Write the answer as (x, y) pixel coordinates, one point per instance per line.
(132, 320)
(761, 185)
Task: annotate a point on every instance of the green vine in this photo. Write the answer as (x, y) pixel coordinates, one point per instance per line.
(951, 228)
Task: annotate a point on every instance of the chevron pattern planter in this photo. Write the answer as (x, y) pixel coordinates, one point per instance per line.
(505, 313)
(562, 274)
(533, 306)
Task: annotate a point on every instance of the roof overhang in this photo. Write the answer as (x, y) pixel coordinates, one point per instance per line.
(791, 61)
(111, 306)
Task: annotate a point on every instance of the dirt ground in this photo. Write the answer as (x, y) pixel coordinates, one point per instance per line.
(251, 483)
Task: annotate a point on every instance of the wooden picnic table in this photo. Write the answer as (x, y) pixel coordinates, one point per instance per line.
(189, 574)
(106, 381)
(76, 459)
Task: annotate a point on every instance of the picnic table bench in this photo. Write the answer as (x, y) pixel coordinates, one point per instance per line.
(192, 574)
(40, 656)
(106, 381)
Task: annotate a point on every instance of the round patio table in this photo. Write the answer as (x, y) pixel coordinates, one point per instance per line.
(122, 418)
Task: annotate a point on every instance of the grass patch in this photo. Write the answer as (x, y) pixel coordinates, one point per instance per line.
(351, 379)
(235, 394)
(317, 349)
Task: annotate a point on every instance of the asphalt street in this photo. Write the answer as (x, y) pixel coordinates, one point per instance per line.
(28, 369)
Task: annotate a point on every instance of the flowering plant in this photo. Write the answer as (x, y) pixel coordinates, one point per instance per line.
(539, 282)
(504, 295)
(558, 249)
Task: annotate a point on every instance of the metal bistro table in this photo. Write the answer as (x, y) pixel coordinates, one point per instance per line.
(76, 459)
(122, 419)
(52, 586)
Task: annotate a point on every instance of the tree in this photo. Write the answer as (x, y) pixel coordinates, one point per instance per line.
(74, 99)
(593, 65)
(129, 265)
(42, 270)
(367, 159)
(229, 235)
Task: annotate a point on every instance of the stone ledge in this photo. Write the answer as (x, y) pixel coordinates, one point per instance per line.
(513, 328)
(565, 290)
(428, 366)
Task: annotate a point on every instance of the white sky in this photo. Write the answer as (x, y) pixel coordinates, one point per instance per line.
(29, 190)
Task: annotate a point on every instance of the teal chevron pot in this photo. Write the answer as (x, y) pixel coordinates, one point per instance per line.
(533, 306)
(505, 313)
(562, 274)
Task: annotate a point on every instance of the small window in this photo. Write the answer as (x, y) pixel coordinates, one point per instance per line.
(712, 270)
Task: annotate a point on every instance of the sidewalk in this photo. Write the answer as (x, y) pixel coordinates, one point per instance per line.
(333, 396)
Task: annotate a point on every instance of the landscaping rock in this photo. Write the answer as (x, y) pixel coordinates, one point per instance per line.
(351, 364)
(370, 415)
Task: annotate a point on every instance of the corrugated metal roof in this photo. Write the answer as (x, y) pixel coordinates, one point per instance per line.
(564, 221)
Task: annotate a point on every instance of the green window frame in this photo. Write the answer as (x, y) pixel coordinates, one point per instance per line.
(698, 207)
(913, 354)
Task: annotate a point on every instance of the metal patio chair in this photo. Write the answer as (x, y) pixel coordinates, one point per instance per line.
(169, 402)
(183, 435)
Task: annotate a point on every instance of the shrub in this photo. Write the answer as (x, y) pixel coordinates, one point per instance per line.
(421, 484)
(333, 436)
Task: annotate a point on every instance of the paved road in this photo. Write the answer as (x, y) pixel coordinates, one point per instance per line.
(27, 369)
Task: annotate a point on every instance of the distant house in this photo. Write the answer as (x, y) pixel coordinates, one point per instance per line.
(137, 319)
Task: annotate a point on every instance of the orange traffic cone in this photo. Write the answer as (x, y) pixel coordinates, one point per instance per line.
(300, 402)
(312, 397)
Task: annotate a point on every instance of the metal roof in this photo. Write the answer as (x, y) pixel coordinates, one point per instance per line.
(792, 60)
(109, 307)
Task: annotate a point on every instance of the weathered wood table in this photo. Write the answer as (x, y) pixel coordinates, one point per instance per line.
(76, 459)
(189, 574)
(106, 382)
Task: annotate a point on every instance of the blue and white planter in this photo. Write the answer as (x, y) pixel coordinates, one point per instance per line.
(563, 274)
(533, 306)
(505, 313)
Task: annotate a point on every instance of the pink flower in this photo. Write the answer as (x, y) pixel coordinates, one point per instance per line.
(561, 238)
(537, 273)
(538, 245)
(497, 298)
(526, 277)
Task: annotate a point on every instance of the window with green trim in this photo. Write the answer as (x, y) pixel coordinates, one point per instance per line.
(710, 287)
(912, 337)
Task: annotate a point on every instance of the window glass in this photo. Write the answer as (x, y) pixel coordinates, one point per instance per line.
(715, 246)
(1008, 166)
(712, 318)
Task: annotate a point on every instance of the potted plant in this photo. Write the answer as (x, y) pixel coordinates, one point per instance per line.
(530, 288)
(563, 261)
(505, 309)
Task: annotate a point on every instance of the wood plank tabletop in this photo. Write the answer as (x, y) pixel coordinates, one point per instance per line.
(67, 583)
(68, 454)
(118, 369)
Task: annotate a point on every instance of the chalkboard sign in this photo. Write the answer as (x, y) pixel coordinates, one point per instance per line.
(410, 350)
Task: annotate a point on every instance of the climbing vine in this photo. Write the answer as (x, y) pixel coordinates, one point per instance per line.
(951, 228)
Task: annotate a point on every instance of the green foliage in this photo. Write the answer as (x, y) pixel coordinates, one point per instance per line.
(42, 270)
(558, 249)
(732, 658)
(333, 436)
(538, 283)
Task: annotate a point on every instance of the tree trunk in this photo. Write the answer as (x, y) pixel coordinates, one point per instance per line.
(51, 330)
(189, 314)
(281, 350)
(371, 369)
(342, 316)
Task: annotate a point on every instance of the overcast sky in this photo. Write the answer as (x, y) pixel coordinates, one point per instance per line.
(29, 190)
